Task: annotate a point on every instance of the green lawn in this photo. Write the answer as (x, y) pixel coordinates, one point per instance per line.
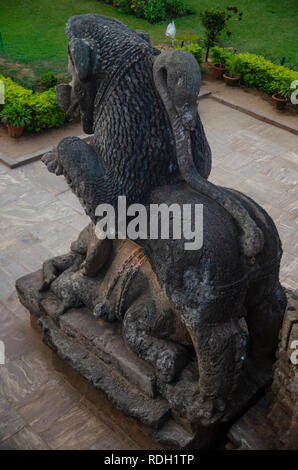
(33, 30)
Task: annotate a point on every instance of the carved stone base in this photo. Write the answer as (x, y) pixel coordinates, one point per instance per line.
(273, 422)
(125, 390)
(93, 356)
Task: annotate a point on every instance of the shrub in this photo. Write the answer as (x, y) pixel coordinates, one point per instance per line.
(44, 107)
(233, 65)
(195, 50)
(48, 80)
(16, 115)
(261, 73)
(219, 55)
(152, 10)
(282, 90)
(125, 6)
(178, 7)
(13, 92)
(258, 72)
(46, 112)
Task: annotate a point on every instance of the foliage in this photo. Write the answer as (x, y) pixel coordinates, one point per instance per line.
(46, 112)
(282, 90)
(153, 10)
(195, 50)
(215, 21)
(219, 55)
(48, 80)
(260, 73)
(16, 114)
(233, 64)
(178, 7)
(265, 30)
(14, 92)
(44, 108)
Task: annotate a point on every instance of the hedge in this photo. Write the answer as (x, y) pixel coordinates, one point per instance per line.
(195, 50)
(151, 10)
(44, 107)
(258, 72)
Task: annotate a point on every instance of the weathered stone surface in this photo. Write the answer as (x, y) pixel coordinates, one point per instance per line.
(174, 435)
(72, 338)
(273, 422)
(106, 341)
(195, 317)
(128, 399)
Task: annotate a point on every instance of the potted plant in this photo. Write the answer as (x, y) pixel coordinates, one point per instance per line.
(16, 116)
(281, 94)
(218, 62)
(232, 75)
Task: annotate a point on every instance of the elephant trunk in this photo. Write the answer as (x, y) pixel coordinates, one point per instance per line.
(177, 79)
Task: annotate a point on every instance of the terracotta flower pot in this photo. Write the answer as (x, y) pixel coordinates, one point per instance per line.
(280, 102)
(231, 81)
(15, 131)
(218, 70)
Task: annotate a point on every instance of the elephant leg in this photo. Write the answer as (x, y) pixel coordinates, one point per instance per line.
(166, 357)
(264, 320)
(219, 335)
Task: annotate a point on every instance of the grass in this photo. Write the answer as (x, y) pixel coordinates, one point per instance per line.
(34, 39)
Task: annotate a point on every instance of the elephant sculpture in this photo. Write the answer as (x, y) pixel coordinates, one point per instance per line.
(222, 303)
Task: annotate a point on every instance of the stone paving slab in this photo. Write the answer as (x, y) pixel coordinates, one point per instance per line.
(39, 217)
(31, 143)
(249, 98)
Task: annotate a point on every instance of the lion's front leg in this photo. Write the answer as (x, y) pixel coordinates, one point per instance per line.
(88, 254)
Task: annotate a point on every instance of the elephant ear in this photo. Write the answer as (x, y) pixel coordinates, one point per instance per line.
(81, 56)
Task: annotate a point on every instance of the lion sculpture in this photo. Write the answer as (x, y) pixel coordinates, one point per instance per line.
(221, 305)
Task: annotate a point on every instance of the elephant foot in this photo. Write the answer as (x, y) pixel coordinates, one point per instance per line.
(170, 362)
(209, 410)
(102, 310)
(167, 357)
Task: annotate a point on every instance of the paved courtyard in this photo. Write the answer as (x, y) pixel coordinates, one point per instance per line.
(40, 217)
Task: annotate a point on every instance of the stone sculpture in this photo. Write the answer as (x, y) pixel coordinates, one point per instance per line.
(272, 423)
(197, 318)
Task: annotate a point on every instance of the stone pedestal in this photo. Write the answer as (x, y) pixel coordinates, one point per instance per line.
(92, 354)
